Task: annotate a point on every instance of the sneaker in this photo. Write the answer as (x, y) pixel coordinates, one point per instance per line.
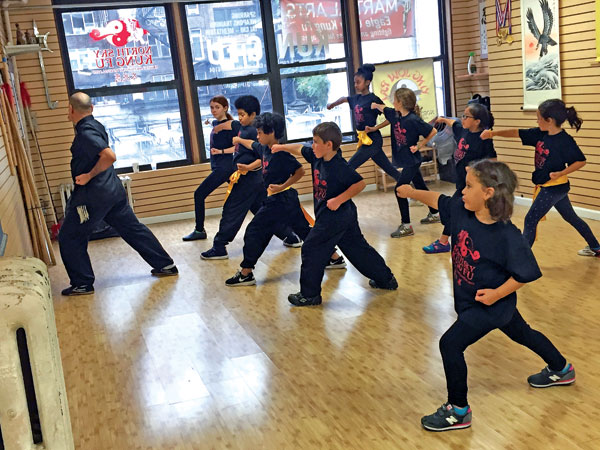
(431, 218)
(402, 231)
(587, 251)
(84, 289)
(437, 247)
(240, 280)
(391, 285)
(446, 418)
(195, 235)
(548, 377)
(338, 263)
(293, 240)
(214, 253)
(298, 299)
(166, 271)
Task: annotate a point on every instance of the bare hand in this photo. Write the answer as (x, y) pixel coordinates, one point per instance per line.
(369, 129)
(330, 106)
(486, 134)
(414, 149)
(235, 140)
(242, 167)
(404, 191)
(554, 175)
(275, 188)
(333, 204)
(374, 105)
(83, 179)
(487, 296)
(277, 148)
(440, 120)
(215, 151)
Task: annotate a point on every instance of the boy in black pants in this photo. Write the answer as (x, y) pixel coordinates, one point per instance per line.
(281, 208)
(334, 184)
(245, 192)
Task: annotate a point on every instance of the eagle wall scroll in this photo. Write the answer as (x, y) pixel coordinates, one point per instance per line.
(541, 56)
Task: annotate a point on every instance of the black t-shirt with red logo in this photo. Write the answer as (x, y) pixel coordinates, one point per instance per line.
(364, 116)
(552, 152)
(278, 167)
(470, 147)
(243, 155)
(330, 178)
(485, 256)
(405, 133)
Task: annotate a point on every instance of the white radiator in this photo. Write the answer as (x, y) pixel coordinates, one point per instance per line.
(67, 188)
(26, 305)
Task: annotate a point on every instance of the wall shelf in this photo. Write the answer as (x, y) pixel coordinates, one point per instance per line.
(475, 76)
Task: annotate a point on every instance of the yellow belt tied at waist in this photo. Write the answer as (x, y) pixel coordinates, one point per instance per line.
(235, 176)
(307, 216)
(363, 139)
(538, 187)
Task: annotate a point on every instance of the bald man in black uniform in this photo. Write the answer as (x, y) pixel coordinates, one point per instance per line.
(99, 195)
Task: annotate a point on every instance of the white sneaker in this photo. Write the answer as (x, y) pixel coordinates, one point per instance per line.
(587, 251)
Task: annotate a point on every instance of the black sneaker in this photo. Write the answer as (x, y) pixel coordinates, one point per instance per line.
(446, 418)
(391, 285)
(166, 271)
(300, 300)
(195, 235)
(338, 263)
(214, 253)
(240, 280)
(548, 377)
(84, 289)
(293, 240)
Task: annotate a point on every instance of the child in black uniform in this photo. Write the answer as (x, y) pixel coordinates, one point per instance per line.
(556, 155)
(407, 126)
(471, 147)
(246, 191)
(334, 184)
(370, 144)
(281, 209)
(490, 261)
(221, 150)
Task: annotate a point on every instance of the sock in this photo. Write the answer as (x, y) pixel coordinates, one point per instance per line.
(595, 249)
(566, 369)
(461, 411)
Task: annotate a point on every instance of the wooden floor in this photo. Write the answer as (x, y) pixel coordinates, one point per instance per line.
(188, 363)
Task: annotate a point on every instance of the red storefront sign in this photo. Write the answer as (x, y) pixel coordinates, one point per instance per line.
(321, 20)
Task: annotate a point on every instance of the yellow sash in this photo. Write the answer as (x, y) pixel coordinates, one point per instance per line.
(538, 187)
(363, 139)
(307, 216)
(235, 176)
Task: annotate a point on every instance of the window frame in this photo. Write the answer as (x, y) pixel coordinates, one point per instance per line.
(175, 84)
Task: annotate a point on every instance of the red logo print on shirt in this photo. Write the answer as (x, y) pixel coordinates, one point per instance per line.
(358, 114)
(461, 251)
(400, 134)
(541, 154)
(265, 165)
(461, 150)
(319, 186)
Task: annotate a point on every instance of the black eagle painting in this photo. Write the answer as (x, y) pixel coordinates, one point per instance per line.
(543, 38)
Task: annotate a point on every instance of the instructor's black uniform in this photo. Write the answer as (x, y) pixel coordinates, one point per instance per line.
(105, 199)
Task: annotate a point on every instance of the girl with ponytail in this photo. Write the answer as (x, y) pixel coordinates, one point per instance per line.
(556, 155)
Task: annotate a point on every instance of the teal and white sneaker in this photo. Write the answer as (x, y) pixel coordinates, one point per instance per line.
(446, 418)
(548, 377)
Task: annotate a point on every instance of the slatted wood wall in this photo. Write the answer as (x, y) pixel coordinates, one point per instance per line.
(464, 20)
(155, 193)
(581, 88)
(12, 212)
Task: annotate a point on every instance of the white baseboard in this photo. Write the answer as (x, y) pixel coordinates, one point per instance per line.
(216, 211)
(584, 213)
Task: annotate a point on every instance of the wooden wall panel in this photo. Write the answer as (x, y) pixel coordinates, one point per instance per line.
(155, 193)
(580, 83)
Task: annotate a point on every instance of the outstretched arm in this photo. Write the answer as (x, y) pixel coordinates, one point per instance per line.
(294, 149)
(423, 143)
(245, 142)
(430, 198)
(339, 101)
(510, 133)
(445, 120)
(248, 167)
